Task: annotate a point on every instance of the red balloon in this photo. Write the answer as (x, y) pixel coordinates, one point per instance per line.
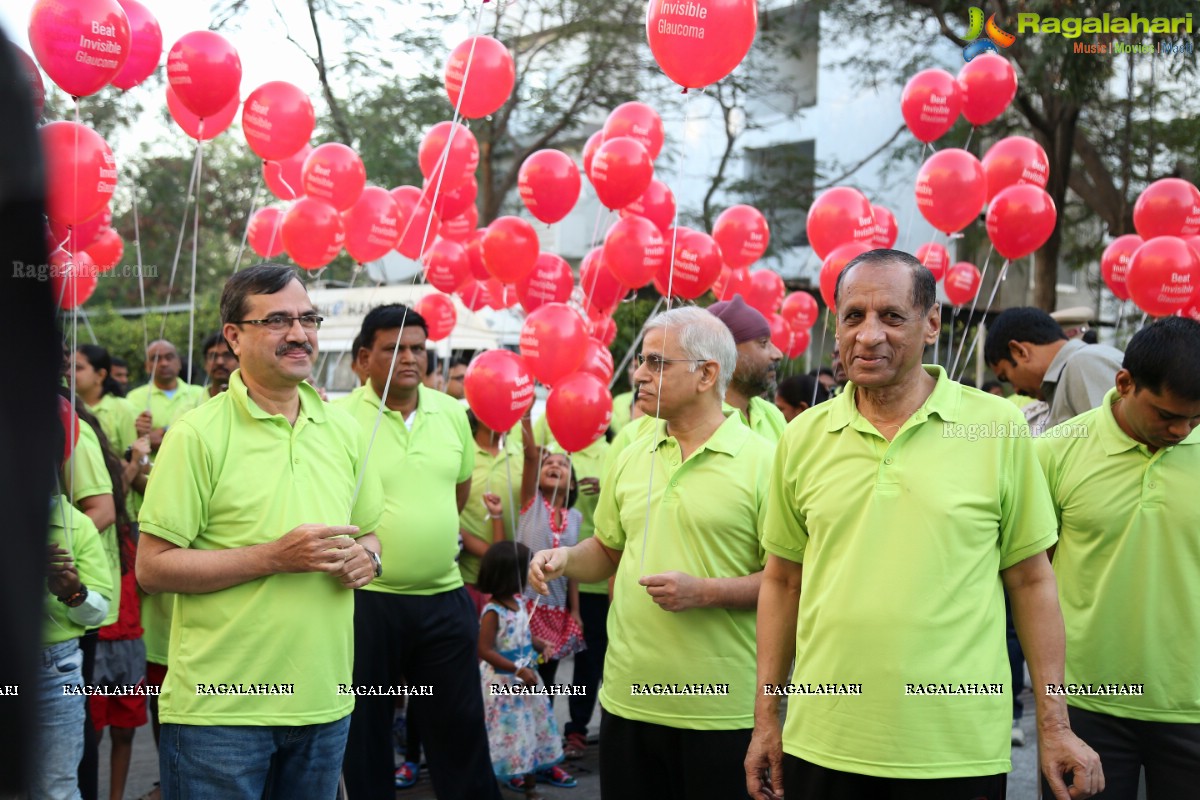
(473, 243)
(72, 278)
(1164, 276)
(334, 173)
(462, 229)
(589, 151)
(732, 282)
(1167, 207)
(453, 204)
(935, 258)
(781, 332)
(82, 44)
(552, 342)
(372, 225)
(604, 330)
(278, 121)
(621, 171)
(951, 189)
(656, 204)
(886, 230)
(499, 388)
(312, 232)
(37, 90)
(697, 44)
(499, 294)
(81, 174)
(266, 232)
(283, 176)
(800, 342)
(70, 425)
(597, 360)
(743, 235)
(1015, 160)
(197, 128)
(930, 103)
(601, 289)
(800, 309)
(439, 315)
(549, 184)
(550, 281)
(634, 250)
(962, 283)
(833, 265)
(637, 121)
(578, 411)
(107, 250)
(145, 45)
(987, 84)
(839, 215)
(418, 223)
(77, 237)
(696, 266)
(486, 66)
(1114, 264)
(1020, 220)
(1192, 242)
(509, 249)
(473, 294)
(446, 266)
(451, 144)
(205, 71)
(765, 292)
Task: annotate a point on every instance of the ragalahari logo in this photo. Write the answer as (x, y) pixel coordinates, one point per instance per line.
(994, 37)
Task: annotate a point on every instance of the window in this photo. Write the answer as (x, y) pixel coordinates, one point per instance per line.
(779, 182)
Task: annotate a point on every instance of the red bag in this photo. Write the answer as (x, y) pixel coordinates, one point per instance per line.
(556, 626)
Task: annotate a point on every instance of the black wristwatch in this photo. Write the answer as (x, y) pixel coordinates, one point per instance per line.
(378, 562)
(75, 600)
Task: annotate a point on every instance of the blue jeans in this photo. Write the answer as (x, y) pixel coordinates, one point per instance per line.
(250, 762)
(60, 723)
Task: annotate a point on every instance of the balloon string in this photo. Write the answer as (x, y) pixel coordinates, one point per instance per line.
(195, 248)
(820, 349)
(979, 326)
(137, 247)
(970, 136)
(913, 208)
(971, 313)
(91, 333)
(687, 107)
(237, 262)
(600, 213)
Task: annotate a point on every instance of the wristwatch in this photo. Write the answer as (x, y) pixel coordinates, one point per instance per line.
(378, 562)
(75, 600)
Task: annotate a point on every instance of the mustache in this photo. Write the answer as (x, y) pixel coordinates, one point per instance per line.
(287, 347)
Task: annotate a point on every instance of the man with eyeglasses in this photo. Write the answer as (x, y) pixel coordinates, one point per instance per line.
(679, 523)
(219, 363)
(260, 515)
(417, 624)
(166, 396)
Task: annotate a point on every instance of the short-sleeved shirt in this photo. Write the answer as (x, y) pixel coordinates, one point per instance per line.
(1078, 377)
(587, 463)
(421, 469)
(85, 475)
(232, 475)
(117, 420)
(1128, 565)
(705, 520)
(902, 544)
(499, 474)
(765, 419)
(165, 410)
(74, 532)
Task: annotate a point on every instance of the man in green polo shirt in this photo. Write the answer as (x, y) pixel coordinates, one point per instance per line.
(418, 624)
(166, 397)
(906, 504)
(679, 523)
(248, 518)
(1123, 478)
(754, 379)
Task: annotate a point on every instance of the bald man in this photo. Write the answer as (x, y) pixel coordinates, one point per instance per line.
(166, 397)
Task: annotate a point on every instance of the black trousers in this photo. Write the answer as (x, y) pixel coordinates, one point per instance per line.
(803, 780)
(589, 664)
(432, 641)
(644, 761)
(1169, 752)
(89, 765)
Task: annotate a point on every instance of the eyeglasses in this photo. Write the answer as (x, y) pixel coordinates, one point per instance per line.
(278, 323)
(655, 362)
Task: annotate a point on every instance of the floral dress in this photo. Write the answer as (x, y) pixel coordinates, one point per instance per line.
(522, 733)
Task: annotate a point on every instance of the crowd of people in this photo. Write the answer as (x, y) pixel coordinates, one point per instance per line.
(308, 597)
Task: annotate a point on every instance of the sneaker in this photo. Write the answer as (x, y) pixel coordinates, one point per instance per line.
(406, 775)
(557, 776)
(516, 783)
(574, 745)
(1018, 736)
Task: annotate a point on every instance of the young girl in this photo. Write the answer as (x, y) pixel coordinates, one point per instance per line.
(523, 735)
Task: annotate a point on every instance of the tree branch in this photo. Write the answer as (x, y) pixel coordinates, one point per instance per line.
(863, 162)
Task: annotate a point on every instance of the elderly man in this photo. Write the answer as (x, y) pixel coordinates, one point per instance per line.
(754, 377)
(166, 397)
(1123, 480)
(679, 523)
(906, 504)
(245, 519)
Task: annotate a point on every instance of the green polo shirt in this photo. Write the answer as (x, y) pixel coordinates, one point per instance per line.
(420, 470)
(765, 419)
(1129, 544)
(91, 563)
(705, 520)
(499, 474)
(622, 410)
(86, 475)
(166, 410)
(902, 545)
(117, 419)
(232, 475)
(587, 463)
